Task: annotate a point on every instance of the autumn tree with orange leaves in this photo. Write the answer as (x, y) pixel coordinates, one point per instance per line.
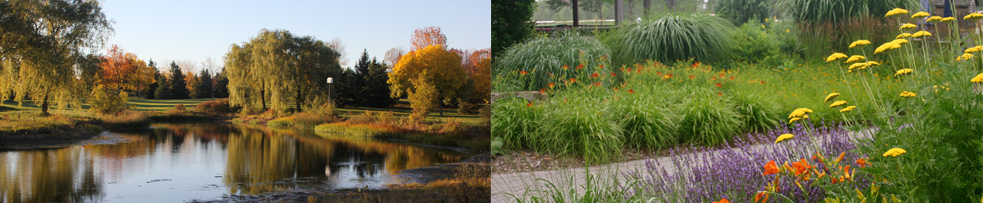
(427, 36)
(122, 71)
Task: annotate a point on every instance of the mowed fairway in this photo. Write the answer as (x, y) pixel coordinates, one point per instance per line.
(135, 104)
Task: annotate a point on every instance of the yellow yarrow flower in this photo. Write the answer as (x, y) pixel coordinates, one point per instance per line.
(899, 41)
(855, 58)
(831, 96)
(784, 137)
(964, 57)
(973, 49)
(977, 79)
(894, 152)
(873, 63)
(907, 94)
(859, 43)
(800, 112)
(790, 121)
(887, 47)
(947, 19)
(973, 16)
(921, 34)
(903, 35)
(933, 19)
(902, 72)
(837, 103)
(896, 11)
(848, 109)
(835, 56)
(907, 26)
(920, 14)
(857, 66)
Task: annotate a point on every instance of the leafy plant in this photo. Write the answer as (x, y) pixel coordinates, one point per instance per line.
(673, 37)
(708, 119)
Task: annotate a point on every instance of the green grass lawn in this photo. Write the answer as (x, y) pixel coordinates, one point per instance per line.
(136, 104)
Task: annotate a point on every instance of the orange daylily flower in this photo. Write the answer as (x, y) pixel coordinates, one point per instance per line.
(597, 84)
(630, 91)
(542, 90)
(763, 196)
(595, 75)
(695, 64)
(719, 85)
(770, 168)
(529, 104)
(566, 67)
(691, 77)
(523, 72)
(581, 66)
(573, 80)
(552, 84)
(840, 158)
(612, 74)
(862, 162)
(602, 66)
(724, 200)
(801, 167)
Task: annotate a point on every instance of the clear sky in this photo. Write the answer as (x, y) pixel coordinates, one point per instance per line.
(193, 30)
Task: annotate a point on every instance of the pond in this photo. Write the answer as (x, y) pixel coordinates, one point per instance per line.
(206, 161)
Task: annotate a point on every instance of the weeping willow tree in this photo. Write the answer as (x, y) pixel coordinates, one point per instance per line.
(44, 48)
(281, 71)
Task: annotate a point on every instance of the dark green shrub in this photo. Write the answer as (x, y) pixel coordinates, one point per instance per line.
(753, 43)
(673, 37)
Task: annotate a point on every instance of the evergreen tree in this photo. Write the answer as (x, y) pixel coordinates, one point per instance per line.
(345, 88)
(376, 91)
(163, 88)
(203, 87)
(221, 87)
(179, 88)
(152, 88)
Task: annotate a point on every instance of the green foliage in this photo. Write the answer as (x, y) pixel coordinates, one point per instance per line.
(221, 87)
(741, 11)
(754, 43)
(581, 126)
(164, 90)
(178, 86)
(673, 37)
(364, 85)
(423, 99)
(759, 111)
(818, 11)
(203, 86)
(648, 122)
(515, 123)
(511, 23)
(545, 56)
(708, 119)
(107, 101)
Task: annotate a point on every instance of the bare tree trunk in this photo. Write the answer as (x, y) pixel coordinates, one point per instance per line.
(574, 7)
(618, 12)
(298, 101)
(262, 95)
(44, 104)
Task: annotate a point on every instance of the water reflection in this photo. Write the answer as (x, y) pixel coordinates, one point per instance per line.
(176, 162)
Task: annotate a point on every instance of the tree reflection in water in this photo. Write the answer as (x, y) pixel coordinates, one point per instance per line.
(255, 160)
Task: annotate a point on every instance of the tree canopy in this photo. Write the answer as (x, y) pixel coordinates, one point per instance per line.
(431, 66)
(288, 71)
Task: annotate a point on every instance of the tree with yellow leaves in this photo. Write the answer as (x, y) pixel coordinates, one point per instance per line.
(434, 65)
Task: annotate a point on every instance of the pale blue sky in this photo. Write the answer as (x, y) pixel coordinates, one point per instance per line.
(193, 30)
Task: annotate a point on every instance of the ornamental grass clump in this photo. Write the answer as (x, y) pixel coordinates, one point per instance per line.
(580, 125)
(673, 37)
(707, 119)
(515, 123)
(735, 172)
(648, 122)
(533, 65)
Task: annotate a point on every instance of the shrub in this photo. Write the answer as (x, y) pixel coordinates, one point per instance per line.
(105, 102)
(126, 120)
(465, 107)
(673, 37)
(423, 100)
(543, 57)
(753, 43)
(216, 107)
(741, 11)
(326, 109)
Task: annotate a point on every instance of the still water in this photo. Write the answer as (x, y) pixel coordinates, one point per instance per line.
(205, 161)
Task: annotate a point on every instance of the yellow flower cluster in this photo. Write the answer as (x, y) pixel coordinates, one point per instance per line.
(896, 11)
(831, 96)
(920, 14)
(902, 72)
(964, 57)
(934, 19)
(835, 56)
(921, 34)
(903, 35)
(784, 137)
(973, 16)
(859, 43)
(947, 19)
(848, 109)
(907, 94)
(899, 41)
(907, 26)
(973, 49)
(798, 114)
(855, 58)
(857, 66)
(894, 152)
(888, 46)
(977, 79)
(837, 103)
(936, 87)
